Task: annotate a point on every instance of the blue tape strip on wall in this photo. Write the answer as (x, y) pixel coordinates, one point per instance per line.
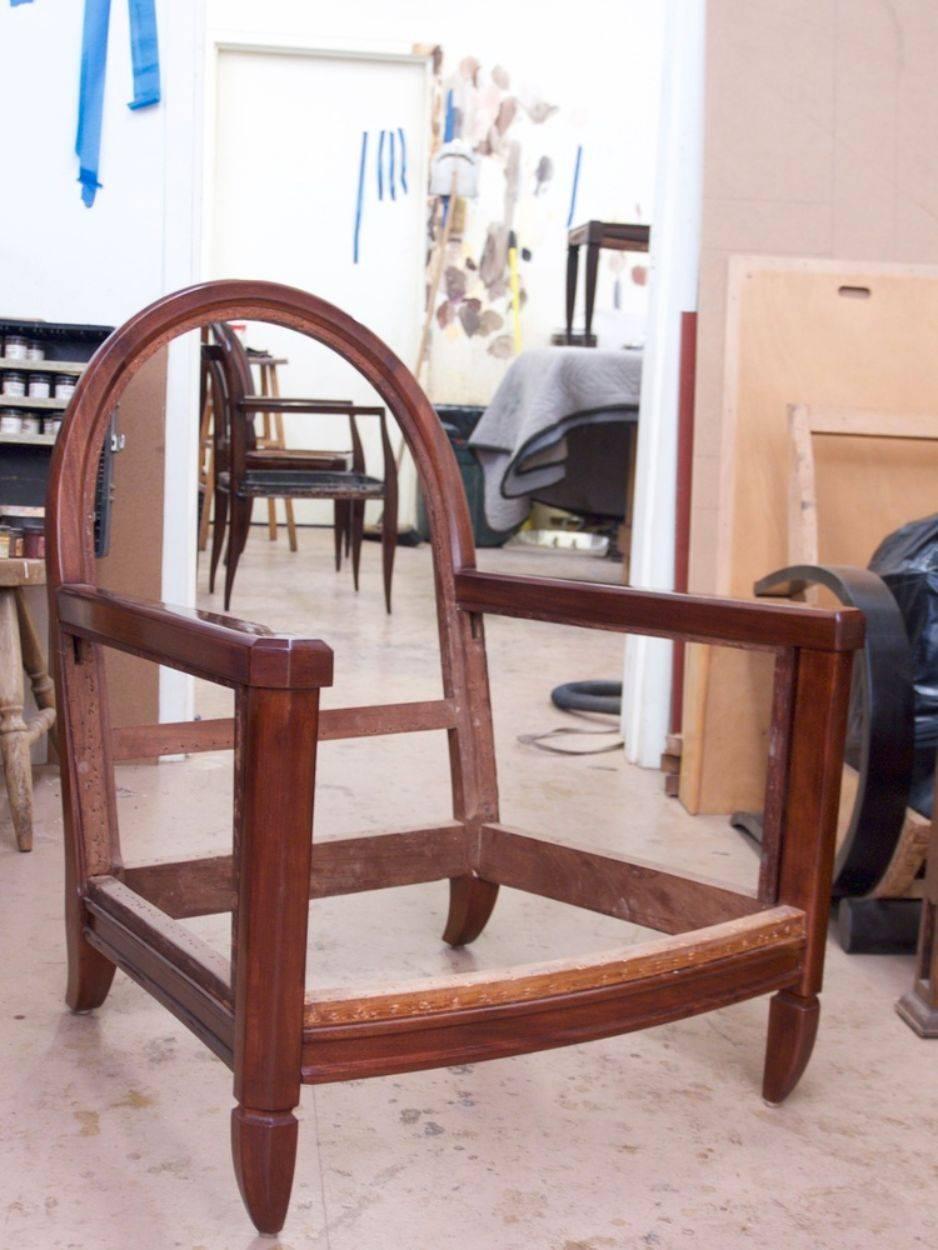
(380, 166)
(361, 196)
(392, 176)
(14, 3)
(576, 185)
(91, 95)
(145, 53)
(403, 147)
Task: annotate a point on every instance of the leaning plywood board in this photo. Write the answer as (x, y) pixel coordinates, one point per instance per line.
(134, 563)
(832, 335)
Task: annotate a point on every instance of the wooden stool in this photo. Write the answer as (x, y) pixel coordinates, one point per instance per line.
(717, 946)
(272, 437)
(20, 649)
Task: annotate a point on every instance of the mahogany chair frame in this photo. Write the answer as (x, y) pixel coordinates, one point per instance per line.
(719, 946)
(290, 473)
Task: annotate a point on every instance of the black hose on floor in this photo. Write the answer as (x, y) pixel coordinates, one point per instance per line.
(589, 696)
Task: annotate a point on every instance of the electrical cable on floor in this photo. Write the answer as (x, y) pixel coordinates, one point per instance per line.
(540, 741)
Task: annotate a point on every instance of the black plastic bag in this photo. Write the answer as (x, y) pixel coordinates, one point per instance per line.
(907, 561)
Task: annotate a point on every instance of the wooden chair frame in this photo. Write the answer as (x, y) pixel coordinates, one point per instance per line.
(720, 945)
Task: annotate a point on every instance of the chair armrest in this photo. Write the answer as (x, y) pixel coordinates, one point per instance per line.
(693, 618)
(220, 648)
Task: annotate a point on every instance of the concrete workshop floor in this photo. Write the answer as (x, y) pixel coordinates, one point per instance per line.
(115, 1125)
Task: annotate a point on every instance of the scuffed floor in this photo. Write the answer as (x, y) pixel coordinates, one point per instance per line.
(115, 1126)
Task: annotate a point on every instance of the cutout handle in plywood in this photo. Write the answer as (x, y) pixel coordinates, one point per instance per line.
(854, 292)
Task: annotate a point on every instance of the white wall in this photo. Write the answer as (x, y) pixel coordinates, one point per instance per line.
(601, 69)
(64, 262)
(675, 263)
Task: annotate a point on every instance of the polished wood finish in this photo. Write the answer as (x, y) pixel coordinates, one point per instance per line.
(720, 946)
(374, 861)
(693, 618)
(640, 893)
(184, 737)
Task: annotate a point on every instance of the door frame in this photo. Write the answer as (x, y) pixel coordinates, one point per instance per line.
(223, 41)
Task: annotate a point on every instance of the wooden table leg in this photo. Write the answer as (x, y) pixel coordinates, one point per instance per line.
(573, 264)
(281, 439)
(14, 734)
(268, 442)
(592, 273)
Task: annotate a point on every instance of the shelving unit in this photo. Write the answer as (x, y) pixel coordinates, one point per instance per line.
(43, 366)
(25, 401)
(25, 458)
(26, 440)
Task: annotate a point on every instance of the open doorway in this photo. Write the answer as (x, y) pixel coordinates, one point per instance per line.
(317, 180)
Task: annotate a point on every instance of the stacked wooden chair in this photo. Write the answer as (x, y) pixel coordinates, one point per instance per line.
(244, 472)
(718, 946)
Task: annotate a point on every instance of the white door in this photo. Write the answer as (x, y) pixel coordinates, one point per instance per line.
(287, 163)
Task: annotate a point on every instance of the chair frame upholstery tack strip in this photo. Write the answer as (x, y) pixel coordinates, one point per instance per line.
(719, 946)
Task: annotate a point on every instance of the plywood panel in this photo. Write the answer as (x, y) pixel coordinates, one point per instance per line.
(794, 337)
(135, 561)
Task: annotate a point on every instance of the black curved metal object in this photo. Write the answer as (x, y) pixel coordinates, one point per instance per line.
(883, 684)
(589, 696)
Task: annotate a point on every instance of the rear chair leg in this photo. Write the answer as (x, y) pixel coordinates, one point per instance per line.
(90, 974)
(470, 904)
(793, 1023)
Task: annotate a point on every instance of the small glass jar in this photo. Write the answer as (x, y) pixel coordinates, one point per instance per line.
(39, 386)
(52, 425)
(4, 542)
(35, 350)
(65, 385)
(14, 384)
(15, 347)
(11, 421)
(31, 423)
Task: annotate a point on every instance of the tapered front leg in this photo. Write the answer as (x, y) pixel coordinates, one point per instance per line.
(820, 685)
(276, 753)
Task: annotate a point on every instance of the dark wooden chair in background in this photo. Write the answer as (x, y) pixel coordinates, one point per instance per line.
(256, 456)
(244, 472)
(719, 945)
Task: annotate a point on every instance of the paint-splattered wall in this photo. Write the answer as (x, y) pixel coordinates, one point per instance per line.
(538, 155)
(531, 85)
